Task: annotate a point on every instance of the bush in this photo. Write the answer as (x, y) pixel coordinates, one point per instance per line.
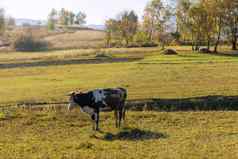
(142, 40)
(141, 37)
(27, 42)
(149, 44)
(102, 55)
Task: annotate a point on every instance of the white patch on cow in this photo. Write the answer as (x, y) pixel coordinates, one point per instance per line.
(87, 110)
(99, 95)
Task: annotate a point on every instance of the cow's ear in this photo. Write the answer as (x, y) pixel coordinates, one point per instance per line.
(79, 91)
(71, 93)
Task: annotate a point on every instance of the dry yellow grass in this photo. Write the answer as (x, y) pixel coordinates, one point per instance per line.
(79, 39)
(55, 133)
(58, 134)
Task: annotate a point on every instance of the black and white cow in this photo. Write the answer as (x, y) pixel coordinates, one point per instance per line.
(91, 102)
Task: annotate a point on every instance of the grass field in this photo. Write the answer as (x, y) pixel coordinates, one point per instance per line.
(47, 77)
(52, 132)
(58, 134)
(80, 39)
(62, 39)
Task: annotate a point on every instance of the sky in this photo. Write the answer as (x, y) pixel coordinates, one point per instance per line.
(97, 10)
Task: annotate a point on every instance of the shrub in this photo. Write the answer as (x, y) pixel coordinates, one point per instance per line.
(149, 44)
(141, 37)
(102, 55)
(142, 40)
(27, 42)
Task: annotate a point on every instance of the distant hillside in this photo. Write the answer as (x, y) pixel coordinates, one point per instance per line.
(96, 27)
(32, 22)
(81, 39)
(29, 22)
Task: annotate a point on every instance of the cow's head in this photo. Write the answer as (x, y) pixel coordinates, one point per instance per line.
(72, 102)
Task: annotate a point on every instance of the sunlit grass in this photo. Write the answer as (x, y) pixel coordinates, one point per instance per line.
(58, 134)
(155, 76)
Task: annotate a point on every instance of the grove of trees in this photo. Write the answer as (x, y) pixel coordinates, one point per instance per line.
(2, 21)
(5, 21)
(123, 28)
(65, 18)
(198, 23)
(208, 22)
(154, 29)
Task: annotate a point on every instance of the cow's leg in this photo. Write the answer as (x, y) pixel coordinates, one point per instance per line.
(97, 119)
(93, 117)
(120, 116)
(124, 114)
(116, 117)
(124, 111)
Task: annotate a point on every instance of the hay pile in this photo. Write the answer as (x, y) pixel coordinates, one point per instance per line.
(169, 52)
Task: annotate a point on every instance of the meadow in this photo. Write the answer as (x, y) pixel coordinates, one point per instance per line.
(51, 131)
(30, 78)
(58, 134)
(63, 39)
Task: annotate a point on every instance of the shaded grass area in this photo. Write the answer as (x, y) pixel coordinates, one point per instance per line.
(205, 103)
(21, 57)
(134, 134)
(58, 134)
(68, 62)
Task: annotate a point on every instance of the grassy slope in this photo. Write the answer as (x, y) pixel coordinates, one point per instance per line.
(79, 39)
(155, 76)
(57, 134)
(68, 39)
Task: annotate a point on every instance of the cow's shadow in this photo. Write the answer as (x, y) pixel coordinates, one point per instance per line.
(134, 134)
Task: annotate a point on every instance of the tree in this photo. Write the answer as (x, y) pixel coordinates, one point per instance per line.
(11, 21)
(2, 21)
(64, 19)
(52, 19)
(128, 22)
(123, 28)
(71, 18)
(208, 20)
(112, 28)
(152, 17)
(133, 24)
(156, 19)
(80, 18)
(183, 20)
(231, 21)
(217, 11)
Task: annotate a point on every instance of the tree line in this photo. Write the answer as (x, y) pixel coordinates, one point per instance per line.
(208, 21)
(65, 18)
(126, 30)
(5, 21)
(198, 23)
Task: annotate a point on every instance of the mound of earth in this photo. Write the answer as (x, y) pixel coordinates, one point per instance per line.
(204, 50)
(102, 55)
(170, 52)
